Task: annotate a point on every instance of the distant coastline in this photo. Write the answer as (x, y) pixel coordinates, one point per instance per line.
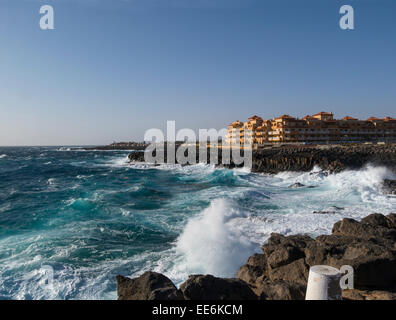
(116, 146)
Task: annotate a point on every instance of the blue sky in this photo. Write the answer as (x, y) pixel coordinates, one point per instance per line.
(113, 68)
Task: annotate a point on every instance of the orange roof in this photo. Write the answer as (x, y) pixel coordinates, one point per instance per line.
(285, 116)
(309, 117)
(235, 124)
(372, 119)
(255, 118)
(389, 119)
(323, 113)
(348, 118)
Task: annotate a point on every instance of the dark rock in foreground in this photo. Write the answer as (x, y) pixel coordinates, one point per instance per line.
(155, 286)
(368, 295)
(207, 287)
(368, 246)
(280, 272)
(149, 286)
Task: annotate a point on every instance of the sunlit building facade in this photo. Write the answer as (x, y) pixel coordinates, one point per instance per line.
(320, 128)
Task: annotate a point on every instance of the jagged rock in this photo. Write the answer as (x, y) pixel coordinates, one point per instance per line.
(304, 158)
(392, 220)
(374, 265)
(136, 157)
(149, 286)
(297, 241)
(207, 287)
(324, 212)
(318, 253)
(378, 220)
(117, 146)
(368, 246)
(368, 295)
(284, 255)
(281, 271)
(350, 227)
(255, 267)
(282, 290)
(389, 186)
(297, 185)
(294, 272)
(250, 274)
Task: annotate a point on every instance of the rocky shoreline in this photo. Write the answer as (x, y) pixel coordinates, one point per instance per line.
(280, 272)
(332, 158)
(117, 146)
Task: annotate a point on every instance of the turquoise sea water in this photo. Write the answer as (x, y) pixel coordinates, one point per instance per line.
(88, 215)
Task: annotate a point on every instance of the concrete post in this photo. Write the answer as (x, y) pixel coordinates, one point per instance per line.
(324, 283)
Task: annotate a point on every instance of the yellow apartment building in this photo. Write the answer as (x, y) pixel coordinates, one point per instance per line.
(320, 128)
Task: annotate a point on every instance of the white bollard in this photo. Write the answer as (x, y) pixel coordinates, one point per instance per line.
(324, 283)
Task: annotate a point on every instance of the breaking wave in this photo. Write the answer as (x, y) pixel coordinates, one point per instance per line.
(91, 215)
(220, 238)
(212, 243)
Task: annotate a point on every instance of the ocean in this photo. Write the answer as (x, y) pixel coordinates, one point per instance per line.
(89, 215)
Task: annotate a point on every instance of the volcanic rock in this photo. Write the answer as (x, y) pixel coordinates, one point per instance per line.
(149, 286)
(281, 271)
(207, 287)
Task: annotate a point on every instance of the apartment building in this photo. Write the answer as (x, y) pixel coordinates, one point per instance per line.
(320, 128)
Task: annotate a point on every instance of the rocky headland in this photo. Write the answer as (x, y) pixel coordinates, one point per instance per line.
(332, 158)
(280, 272)
(117, 146)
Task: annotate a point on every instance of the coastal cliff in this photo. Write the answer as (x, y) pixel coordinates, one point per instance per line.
(304, 158)
(280, 272)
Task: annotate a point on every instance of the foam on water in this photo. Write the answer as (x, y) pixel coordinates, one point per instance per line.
(219, 240)
(212, 244)
(91, 215)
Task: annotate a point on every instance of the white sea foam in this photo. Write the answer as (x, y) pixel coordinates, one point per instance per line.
(4, 207)
(240, 217)
(81, 176)
(221, 237)
(2, 156)
(119, 161)
(211, 243)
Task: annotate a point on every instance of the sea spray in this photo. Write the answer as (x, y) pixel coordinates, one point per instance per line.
(102, 217)
(210, 244)
(366, 183)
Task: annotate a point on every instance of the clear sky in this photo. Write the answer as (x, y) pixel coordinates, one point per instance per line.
(113, 68)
